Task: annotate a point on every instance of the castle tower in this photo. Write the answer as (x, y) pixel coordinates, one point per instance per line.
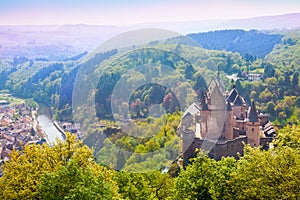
(218, 111)
(227, 132)
(204, 118)
(253, 127)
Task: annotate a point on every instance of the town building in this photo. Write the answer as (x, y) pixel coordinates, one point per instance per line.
(16, 130)
(254, 77)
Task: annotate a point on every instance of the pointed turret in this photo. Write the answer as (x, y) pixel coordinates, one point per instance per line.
(253, 115)
(253, 127)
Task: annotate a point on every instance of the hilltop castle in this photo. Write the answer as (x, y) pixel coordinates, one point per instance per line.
(221, 124)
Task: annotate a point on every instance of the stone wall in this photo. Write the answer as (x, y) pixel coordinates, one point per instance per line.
(227, 148)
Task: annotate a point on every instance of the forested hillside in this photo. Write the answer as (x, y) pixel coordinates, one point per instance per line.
(52, 82)
(248, 43)
(138, 132)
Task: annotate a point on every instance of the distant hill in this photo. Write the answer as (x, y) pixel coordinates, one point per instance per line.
(247, 43)
(53, 42)
(286, 21)
(58, 42)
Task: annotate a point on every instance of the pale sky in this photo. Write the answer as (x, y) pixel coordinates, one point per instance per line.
(118, 12)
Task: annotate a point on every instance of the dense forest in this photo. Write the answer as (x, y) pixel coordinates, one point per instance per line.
(250, 44)
(163, 80)
(67, 170)
(52, 83)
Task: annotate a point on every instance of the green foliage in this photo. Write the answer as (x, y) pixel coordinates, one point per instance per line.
(31, 103)
(205, 178)
(12, 100)
(51, 83)
(295, 79)
(285, 108)
(272, 174)
(66, 169)
(152, 185)
(78, 183)
(146, 146)
(289, 136)
(134, 69)
(250, 44)
(269, 70)
(286, 54)
(197, 180)
(279, 90)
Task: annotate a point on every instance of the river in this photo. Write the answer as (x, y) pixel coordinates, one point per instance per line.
(47, 126)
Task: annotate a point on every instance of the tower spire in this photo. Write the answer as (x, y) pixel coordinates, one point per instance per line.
(253, 116)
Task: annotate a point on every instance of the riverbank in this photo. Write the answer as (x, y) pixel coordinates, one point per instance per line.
(59, 129)
(50, 128)
(36, 127)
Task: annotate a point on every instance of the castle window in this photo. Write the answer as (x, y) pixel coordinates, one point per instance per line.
(252, 123)
(252, 129)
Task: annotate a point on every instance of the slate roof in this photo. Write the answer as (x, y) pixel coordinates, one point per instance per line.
(192, 110)
(253, 115)
(232, 95)
(239, 101)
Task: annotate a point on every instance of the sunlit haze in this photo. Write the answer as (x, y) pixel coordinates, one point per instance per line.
(117, 12)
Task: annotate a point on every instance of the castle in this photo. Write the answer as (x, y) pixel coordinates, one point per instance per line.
(221, 124)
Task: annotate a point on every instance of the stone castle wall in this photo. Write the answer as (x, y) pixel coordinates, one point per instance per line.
(232, 148)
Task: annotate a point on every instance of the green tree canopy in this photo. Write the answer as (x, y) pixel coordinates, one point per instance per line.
(65, 170)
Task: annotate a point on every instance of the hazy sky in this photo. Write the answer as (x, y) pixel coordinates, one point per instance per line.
(118, 12)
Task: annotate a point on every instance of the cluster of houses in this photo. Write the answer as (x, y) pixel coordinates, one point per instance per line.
(70, 127)
(16, 129)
